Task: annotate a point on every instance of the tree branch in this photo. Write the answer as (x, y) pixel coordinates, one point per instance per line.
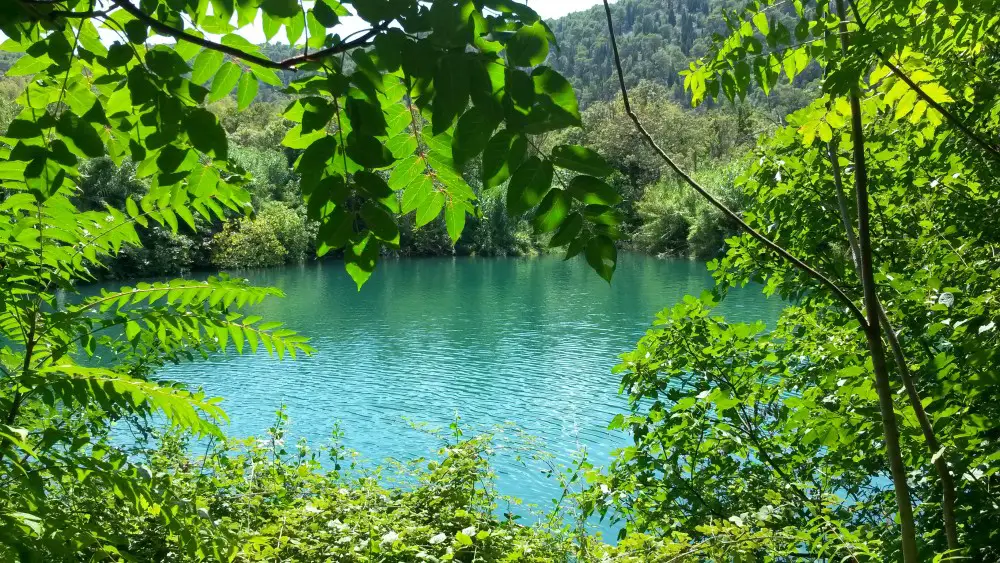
(773, 246)
(289, 63)
(948, 494)
(873, 329)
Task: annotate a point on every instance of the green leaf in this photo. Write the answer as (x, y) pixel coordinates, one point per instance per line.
(206, 65)
(224, 82)
(406, 171)
(82, 134)
(247, 91)
(593, 191)
(760, 20)
(528, 185)
(417, 190)
(602, 256)
(359, 259)
(553, 211)
(581, 159)
(471, 135)
(429, 208)
(502, 155)
(570, 228)
(529, 46)
(454, 218)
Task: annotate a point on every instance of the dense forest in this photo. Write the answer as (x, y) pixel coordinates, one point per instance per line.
(842, 156)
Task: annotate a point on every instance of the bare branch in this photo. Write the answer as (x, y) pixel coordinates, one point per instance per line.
(773, 246)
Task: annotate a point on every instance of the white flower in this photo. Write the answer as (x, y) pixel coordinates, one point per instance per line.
(390, 537)
(343, 491)
(312, 509)
(470, 531)
(604, 488)
(438, 539)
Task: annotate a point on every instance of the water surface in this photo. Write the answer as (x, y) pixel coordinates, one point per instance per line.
(527, 341)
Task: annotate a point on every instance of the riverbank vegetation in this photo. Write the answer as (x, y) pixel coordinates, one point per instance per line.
(860, 428)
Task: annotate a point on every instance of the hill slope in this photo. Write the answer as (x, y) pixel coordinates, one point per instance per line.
(656, 39)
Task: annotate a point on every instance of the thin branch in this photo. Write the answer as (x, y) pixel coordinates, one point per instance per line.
(289, 63)
(773, 246)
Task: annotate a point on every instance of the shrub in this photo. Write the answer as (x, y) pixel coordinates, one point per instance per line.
(277, 235)
(676, 221)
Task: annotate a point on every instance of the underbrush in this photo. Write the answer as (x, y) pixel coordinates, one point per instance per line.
(258, 500)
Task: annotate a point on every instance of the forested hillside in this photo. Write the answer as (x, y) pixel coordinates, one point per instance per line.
(659, 39)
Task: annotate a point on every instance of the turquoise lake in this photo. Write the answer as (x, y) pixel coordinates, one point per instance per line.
(493, 340)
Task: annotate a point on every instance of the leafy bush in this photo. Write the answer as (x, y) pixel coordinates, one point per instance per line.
(276, 235)
(676, 221)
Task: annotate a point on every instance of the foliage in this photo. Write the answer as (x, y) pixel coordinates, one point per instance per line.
(798, 423)
(275, 236)
(658, 40)
(397, 119)
(677, 222)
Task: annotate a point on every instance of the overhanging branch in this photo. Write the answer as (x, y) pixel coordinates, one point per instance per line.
(773, 246)
(289, 63)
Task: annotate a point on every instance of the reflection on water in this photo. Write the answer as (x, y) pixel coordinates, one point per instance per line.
(530, 341)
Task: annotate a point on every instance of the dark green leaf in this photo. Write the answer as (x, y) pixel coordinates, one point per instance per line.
(380, 222)
(570, 228)
(206, 133)
(82, 134)
(471, 135)
(451, 93)
(581, 159)
(503, 154)
(528, 185)
(281, 8)
(529, 46)
(365, 117)
(602, 256)
(368, 151)
(591, 190)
